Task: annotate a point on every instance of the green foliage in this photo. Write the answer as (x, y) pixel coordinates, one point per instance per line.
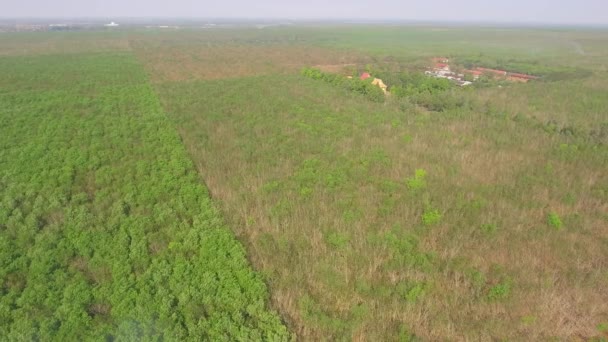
(106, 232)
(336, 239)
(499, 291)
(569, 199)
(478, 280)
(413, 84)
(489, 228)
(411, 292)
(431, 216)
(441, 102)
(554, 221)
(418, 181)
(528, 320)
(568, 151)
(407, 139)
(404, 250)
(406, 336)
(338, 326)
(356, 85)
(436, 94)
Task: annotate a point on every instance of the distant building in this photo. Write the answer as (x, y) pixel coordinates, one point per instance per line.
(441, 69)
(112, 24)
(442, 66)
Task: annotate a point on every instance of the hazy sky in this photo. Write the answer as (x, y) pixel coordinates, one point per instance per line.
(547, 11)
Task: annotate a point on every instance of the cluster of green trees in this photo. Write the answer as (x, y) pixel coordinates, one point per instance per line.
(354, 84)
(105, 229)
(436, 94)
(408, 84)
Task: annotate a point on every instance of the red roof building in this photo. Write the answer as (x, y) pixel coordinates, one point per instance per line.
(365, 76)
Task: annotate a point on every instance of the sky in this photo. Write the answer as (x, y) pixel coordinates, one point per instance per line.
(508, 11)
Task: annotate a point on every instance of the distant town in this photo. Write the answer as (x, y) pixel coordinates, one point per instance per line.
(42, 26)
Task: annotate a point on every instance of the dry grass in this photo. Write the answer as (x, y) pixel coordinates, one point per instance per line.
(318, 251)
(216, 61)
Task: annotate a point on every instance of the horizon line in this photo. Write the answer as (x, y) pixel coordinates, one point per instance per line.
(357, 20)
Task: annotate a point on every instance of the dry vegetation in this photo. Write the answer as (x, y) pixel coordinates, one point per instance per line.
(205, 56)
(316, 183)
(319, 185)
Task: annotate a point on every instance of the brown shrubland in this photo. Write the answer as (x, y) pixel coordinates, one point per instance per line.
(313, 181)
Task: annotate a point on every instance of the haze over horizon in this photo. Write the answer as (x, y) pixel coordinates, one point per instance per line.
(590, 12)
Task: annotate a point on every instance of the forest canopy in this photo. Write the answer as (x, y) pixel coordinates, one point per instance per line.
(105, 229)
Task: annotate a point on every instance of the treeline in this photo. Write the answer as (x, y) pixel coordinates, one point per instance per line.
(354, 84)
(531, 67)
(105, 230)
